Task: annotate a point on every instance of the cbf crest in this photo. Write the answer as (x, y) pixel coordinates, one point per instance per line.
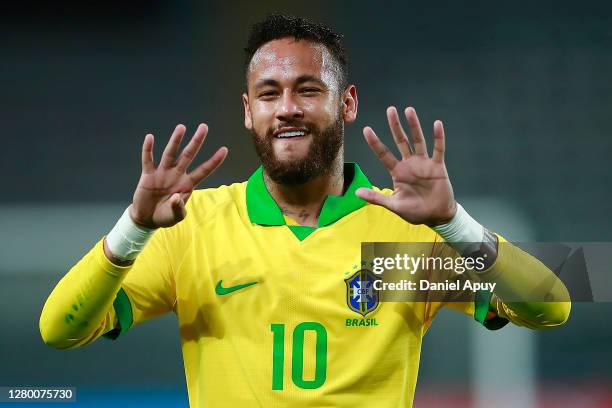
(361, 297)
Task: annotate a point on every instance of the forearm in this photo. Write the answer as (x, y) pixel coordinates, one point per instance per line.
(79, 309)
(527, 292)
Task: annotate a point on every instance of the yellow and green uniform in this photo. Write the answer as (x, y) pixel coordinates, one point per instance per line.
(262, 302)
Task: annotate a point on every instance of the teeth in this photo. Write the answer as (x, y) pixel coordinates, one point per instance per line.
(291, 134)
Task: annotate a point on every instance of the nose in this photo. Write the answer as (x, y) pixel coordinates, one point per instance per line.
(288, 107)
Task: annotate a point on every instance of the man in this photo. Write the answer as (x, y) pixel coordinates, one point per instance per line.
(260, 273)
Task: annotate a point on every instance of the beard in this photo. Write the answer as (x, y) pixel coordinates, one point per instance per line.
(322, 152)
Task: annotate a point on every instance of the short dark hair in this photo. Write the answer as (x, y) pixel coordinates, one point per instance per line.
(277, 26)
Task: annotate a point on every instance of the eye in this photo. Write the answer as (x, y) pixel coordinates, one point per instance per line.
(266, 94)
(310, 91)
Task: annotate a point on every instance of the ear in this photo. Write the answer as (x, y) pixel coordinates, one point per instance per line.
(248, 121)
(349, 104)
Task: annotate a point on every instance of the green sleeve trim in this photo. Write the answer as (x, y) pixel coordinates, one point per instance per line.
(123, 310)
(495, 323)
(482, 303)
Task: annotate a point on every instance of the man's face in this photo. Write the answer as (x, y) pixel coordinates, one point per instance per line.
(295, 109)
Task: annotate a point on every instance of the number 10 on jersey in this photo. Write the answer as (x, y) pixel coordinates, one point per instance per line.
(297, 355)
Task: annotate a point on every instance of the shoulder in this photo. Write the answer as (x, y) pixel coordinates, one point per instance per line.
(207, 206)
(218, 195)
(206, 203)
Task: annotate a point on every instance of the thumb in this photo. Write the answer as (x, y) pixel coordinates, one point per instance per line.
(178, 206)
(185, 196)
(374, 197)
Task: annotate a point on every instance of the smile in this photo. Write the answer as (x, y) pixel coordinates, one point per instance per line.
(285, 135)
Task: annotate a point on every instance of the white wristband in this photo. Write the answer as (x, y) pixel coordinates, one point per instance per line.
(462, 232)
(127, 239)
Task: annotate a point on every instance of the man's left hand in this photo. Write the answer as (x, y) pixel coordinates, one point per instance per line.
(422, 192)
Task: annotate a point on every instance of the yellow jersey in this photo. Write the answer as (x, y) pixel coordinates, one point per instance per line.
(267, 310)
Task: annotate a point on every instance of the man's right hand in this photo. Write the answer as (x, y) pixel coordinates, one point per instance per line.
(161, 194)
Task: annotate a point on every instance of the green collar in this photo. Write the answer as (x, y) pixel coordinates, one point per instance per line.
(263, 210)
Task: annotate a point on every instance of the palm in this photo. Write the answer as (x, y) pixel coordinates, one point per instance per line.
(162, 191)
(153, 194)
(422, 193)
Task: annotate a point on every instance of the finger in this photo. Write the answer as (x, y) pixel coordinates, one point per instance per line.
(380, 150)
(418, 140)
(374, 197)
(439, 144)
(401, 140)
(193, 147)
(205, 169)
(148, 165)
(169, 155)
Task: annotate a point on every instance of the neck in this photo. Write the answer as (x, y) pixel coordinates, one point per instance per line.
(303, 203)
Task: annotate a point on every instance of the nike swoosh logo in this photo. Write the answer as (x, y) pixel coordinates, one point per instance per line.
(220, 290)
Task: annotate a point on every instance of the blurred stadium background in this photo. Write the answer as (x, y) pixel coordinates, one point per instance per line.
(524, 90)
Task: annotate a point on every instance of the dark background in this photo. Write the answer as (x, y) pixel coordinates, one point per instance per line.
(524, 90)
